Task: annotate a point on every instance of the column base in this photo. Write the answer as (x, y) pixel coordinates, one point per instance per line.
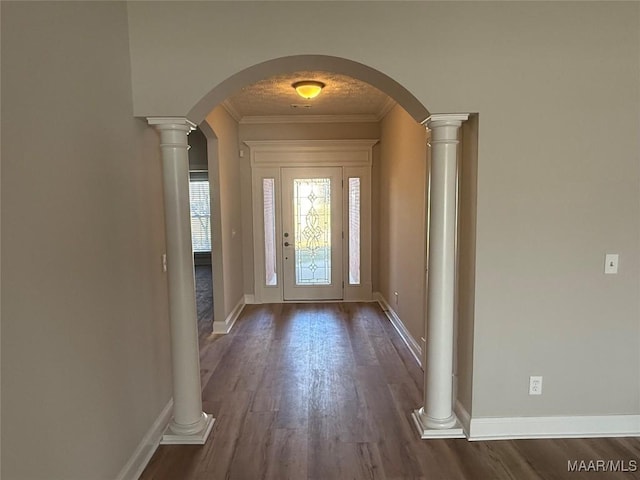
(199, 438)
(427, 430)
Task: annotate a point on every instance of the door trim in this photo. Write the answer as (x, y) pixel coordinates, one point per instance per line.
(266, 159)
(334, 290)
(306, 153)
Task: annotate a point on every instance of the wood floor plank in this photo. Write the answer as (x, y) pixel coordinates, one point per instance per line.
(358, 330)
(506, 462)
(395, 435)
(333, 459)
(228, 431)
(307, 391)
(252, 452)
(287, 458)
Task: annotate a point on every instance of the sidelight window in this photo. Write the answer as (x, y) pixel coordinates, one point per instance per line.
(354, 231)
(268, 193)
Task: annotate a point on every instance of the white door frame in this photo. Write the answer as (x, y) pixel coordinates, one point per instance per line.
(291, 239)
(267, 157)
(293, 288)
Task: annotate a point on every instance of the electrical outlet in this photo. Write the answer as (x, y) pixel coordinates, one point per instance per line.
(535, 385)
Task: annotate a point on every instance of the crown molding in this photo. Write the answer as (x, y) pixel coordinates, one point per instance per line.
(280, 119)
(311, 145)
(231, 110)
(271, 119)
(386, 108)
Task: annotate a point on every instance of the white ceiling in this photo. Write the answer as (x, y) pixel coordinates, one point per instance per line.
(342, 95)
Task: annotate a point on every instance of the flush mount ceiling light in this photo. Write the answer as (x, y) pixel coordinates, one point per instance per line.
(308, 88)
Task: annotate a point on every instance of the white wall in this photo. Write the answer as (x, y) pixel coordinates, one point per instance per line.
(557, 89)
(401, 217)
(85, 333)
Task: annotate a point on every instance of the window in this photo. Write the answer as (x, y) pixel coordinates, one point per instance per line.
(200, 212)
(268, 193)
(312, 227)
(354, 231)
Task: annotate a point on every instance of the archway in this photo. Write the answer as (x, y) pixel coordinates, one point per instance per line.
(436, 419)
(309, 62)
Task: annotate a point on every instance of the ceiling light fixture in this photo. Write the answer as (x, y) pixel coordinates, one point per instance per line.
(308, 88)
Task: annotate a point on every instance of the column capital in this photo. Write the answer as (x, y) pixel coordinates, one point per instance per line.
(172, 123)
(173, 131)
(445, 120)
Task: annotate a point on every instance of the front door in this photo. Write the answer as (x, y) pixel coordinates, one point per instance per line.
(312, 233)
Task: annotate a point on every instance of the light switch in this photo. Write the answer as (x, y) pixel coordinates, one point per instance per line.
(611, 263)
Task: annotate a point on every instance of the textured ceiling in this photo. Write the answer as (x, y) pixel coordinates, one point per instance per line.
(342, 95)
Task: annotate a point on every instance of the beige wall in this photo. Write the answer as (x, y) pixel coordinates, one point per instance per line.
(557, 88)
(375, 219)
(85, 334)
(224, 171)
(288, 131)
(556, 85)
(466, 259)
(401, 217)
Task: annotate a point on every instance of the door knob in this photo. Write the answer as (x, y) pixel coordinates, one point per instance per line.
(286, 244)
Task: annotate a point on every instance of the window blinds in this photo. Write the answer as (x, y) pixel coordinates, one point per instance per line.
(200, 213)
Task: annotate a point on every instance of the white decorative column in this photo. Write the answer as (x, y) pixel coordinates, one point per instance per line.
(190, 425)
(436, 418)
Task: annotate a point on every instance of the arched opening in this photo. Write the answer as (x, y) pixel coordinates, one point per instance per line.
(411, 107)
(230, 211)
(382, 82)
(413, 113)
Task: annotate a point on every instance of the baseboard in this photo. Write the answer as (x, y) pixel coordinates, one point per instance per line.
(554, 427)
(463, 417)
(249, 299)
(225, 327)
(147, 446)
(400, 327)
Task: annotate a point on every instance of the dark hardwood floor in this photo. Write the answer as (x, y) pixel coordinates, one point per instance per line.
(204, 299)
(325, 391)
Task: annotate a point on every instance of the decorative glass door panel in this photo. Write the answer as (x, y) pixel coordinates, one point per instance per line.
(312, 230)
(312, 233)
